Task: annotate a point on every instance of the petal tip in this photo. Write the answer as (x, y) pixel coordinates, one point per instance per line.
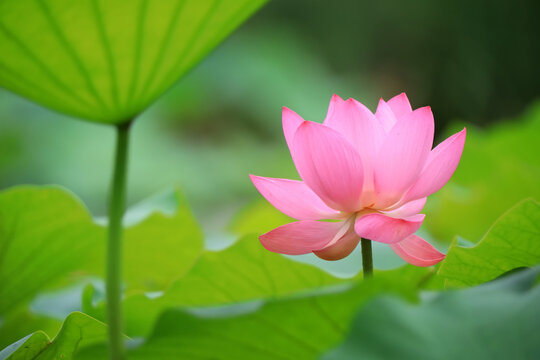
(285, 109)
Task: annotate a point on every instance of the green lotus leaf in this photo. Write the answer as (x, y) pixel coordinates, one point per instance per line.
(497, 320)
(78, 331)
(107, 60)
(513, 241)
(48, 238)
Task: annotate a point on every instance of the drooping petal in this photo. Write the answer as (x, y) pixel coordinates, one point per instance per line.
(293, 198)
(408, 209)
(385, 229)
(329, 165)
(400, 106)
(385, 115)
(301, 237)
(362, 129)
(291, 121)
(440, 165)
(341, 248)
(417, 251)
(402, 156)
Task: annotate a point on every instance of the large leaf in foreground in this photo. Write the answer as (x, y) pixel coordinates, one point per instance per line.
(498, 320)
(160, 245)
(294, 328)
(45, 233)
(107, 60)
(245, 271)
(513, 241)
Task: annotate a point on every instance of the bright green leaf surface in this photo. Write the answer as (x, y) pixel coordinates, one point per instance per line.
(26, 348)
(242, 272)
(258, 217)
(22, 322)
(513, 241)
(78, 331)
(162, 246)
(294, 328)
(45, 233)
(492, 321)
(106, 61)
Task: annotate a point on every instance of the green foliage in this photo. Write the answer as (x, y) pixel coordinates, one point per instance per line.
(78, 331)
(23, 321)
(500, 166)
(258, 217)
(106, 61)
(264, 331)
(49, 239)
(26, 348)
(45, 234)
(174, 239)
(243, 272)
(498, 320)
(246, 302)
(297, 328)
(513, 241)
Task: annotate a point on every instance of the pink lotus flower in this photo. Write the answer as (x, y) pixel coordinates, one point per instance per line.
(369, 173)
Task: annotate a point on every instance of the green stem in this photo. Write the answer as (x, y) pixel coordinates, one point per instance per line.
(367, 258)
(117, 204)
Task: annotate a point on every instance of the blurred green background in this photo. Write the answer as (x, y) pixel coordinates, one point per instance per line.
(475, 63)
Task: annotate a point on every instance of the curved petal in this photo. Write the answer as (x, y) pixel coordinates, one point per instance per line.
(293, 198)
(291, 121)
(385, 229)
(341, 248)
(440, 166)
(301, 237)
(402, 156)
(385, 115)
(408, 209)
(333, 108)
(400, 106)
(360, 127)
(329, 165)
(417, 251)
(356, 123)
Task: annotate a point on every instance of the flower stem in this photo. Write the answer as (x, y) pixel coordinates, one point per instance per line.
(367, 258)
(117, 204)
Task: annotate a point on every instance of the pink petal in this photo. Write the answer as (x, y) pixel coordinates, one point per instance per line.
(291, 121)
(333, 108)
(301, 237)
(385, 229)
(385, 115)
(408, 209)
(341, 248)
(440, 165)
(400, 106)
(329, 165)
(360, 127)
(356, 123)
(293, 198)
(402, 156)
(417, 251)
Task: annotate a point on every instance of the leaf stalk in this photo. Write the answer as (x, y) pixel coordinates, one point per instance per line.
(117, 205)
